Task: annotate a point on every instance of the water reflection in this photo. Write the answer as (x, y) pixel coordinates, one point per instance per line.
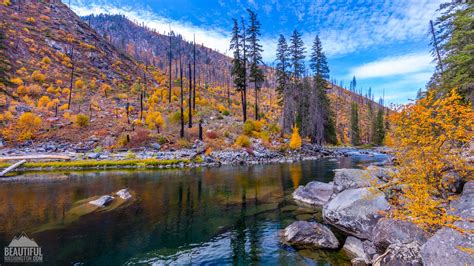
(219, 215)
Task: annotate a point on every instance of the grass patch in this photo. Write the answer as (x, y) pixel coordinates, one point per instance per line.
(99, 164)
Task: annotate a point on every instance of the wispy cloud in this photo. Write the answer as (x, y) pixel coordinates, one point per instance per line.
(392, 66)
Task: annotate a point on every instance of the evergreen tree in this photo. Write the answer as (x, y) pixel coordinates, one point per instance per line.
(453, 40)
(355, 132)
(353, 84)
(238, 70)
(322, 121)
(255, 56)
(286, 97)
(297, 56)
(379, 135)
(282, 67)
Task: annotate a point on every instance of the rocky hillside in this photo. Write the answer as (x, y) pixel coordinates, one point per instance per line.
(116, 79)
(47, 38)
(153, 48)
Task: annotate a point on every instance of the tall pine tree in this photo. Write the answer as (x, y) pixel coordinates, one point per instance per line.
(355, 132)
(255, 56)
(285, 99)
(238, 71)
(322, 121)
(297, 56)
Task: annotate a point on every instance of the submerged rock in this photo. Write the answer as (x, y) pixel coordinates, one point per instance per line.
(303, 234)
(124, 194)
(102, 201)
(390, 231)
(356, 211)
(314, 193)
(401, 254)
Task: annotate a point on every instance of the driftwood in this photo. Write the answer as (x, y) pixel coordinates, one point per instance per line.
(36, 157)
(12, 167)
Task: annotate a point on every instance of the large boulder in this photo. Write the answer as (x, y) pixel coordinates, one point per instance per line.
(354, 178)
(390, 231)
(354, 249)
(401, 254)
(314, 193)
(356, 211)
(303, 234)
(449, 246)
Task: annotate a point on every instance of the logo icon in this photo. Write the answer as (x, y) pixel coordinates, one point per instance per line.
(23, 249)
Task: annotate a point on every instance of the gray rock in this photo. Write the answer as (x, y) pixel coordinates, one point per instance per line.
(452, 182)
(354, 249)
(156, 146)
(356, 211)
(314, 193)
(353, 178)
(390, 231)
(124, 194)
(303, 234)
(382, 173)
(449, 246)
(93, 155)
(401, 254)
(102, 201)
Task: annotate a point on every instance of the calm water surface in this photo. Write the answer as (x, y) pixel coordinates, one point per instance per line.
(227, 215)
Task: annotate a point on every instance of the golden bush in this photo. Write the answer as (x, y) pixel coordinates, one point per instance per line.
(427, 138)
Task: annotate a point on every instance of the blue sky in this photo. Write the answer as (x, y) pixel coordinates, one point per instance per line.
(385, 44)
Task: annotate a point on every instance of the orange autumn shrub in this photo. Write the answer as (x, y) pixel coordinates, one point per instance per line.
(427, 138)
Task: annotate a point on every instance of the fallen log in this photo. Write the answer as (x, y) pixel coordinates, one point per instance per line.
(12, 167)
(36, 157)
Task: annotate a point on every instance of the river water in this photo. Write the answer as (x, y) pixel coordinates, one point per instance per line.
(215, 216)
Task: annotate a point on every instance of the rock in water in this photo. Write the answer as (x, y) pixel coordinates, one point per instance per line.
(354, 249)
(401, 254)
(354, 178)
(124, 194)
(303, 234)
(390, 231)
(449, 246)
(314, 193)
(102, 201)
(356, 211)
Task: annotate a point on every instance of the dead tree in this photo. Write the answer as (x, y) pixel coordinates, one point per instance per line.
(190, 111)
(71, 56)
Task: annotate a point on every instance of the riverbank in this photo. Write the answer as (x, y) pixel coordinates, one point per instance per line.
(183, 158)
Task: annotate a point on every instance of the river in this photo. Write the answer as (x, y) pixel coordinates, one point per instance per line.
(226, 215)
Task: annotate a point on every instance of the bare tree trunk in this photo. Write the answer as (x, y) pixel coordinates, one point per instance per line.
(181, 133)
(194, 76)
(71, 56)
(190, 111)
(170, 60)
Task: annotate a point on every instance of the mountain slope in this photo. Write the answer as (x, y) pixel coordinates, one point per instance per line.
(153, 48)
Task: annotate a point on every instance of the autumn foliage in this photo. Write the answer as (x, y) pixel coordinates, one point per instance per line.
(295, 141)
(429, 137)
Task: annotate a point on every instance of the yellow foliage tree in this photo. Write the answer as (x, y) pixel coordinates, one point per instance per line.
(295, 141)
(154, 120)
(28, 126)
(427, 138)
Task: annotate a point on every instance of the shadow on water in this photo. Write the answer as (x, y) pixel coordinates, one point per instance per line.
(217, 215)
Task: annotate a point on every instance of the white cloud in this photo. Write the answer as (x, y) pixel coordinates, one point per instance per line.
(392, 66)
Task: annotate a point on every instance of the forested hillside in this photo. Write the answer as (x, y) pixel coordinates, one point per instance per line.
(104, 81)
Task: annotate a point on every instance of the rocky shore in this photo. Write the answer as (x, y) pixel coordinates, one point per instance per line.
(353, 204)
(195, 156)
